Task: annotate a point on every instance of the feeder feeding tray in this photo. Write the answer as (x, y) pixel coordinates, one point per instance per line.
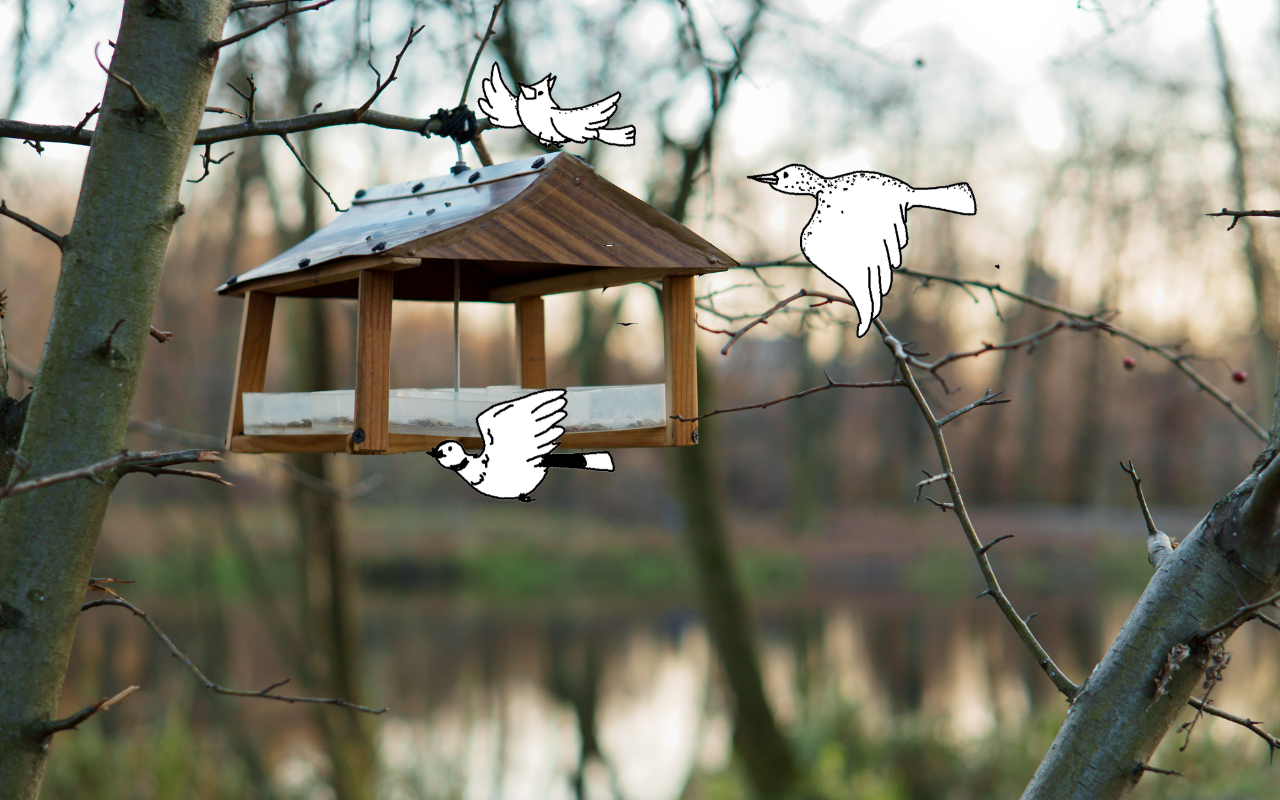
(509, 233)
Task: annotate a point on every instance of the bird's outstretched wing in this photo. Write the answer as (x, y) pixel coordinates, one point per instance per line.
(580, 124)
(524, 429)
(497, 102)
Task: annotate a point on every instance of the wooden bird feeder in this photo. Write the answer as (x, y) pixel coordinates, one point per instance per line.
(510, 233)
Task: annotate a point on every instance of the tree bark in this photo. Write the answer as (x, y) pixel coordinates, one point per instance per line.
(1116, 721)
(111, 265)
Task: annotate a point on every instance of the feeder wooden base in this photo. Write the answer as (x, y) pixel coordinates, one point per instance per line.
(415, 443)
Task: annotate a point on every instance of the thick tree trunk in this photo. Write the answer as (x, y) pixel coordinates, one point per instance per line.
(111, 265)
(1116, 721)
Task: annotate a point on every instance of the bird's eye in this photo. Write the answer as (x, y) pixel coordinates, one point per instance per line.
(786, 174)
(540, 94)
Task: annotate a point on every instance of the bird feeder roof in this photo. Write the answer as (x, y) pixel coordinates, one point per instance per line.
(537, 226)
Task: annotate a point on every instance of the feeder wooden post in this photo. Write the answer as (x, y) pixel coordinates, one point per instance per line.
(373, 364)
(251, 361)
(681, 358)
(531, 345)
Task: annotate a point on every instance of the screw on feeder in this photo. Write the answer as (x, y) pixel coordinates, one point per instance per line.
(357, 435)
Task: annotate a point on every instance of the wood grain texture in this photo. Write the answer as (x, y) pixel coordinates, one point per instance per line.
(581, 281)
(373, 362)
(334, 272)
(681, 358)
(531, 343)
(415, 443)
(251, 359)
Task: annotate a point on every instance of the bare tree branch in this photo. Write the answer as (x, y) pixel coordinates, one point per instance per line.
(1236, 215)
(830, 384)
(1159, 545)
(178, 654)
(207, 160)
(160, 336)
(125, 458)
(32, 224)
(44, 730)
(903, 359)
(987, 399)
(246, 33)
(143, 108)
(1234, 619)
(67, 134)
(311, 174)
(1272, 742)
(186, 473)
(488, 33)
(379, 84)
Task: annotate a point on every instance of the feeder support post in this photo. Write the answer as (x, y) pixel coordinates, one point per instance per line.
(373, 364)
(681, 357)
(531, 346)
(251, 361)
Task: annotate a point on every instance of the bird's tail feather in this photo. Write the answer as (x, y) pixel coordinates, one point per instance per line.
(601, 462)
(619, 137)
(956, 198)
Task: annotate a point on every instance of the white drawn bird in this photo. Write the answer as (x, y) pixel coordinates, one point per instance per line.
(859, 227)
(534, 110)
(518, 437)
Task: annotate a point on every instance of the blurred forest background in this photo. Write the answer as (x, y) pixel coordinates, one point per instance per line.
(558, 650)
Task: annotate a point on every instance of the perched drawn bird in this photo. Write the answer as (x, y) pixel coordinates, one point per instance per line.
(518, 436)
(859, 227)
(534, 109)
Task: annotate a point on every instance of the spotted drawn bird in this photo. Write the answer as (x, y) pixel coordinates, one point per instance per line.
(518, 437)
(535, 110)
(859, 227)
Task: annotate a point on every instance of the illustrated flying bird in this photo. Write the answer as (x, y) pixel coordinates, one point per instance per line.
(534, 110)
(859, 227)
(518, 437)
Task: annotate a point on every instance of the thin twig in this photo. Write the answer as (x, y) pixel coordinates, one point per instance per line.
(829, 385)
(1254, 725)
(928, 480)
(1140, 768)
(44, 730)
(218, 45)
(160, 336)
(987, 399)
(178, 654)
(186, 473)
(1060, 680)
(1240, 614)
(32, 224)
(982, 551)
(1236, 215)
(310, 174)
(379, 83)
(1170, 354)
(92, 113)
(143, 107)
(247, 4)
(207, 159)
(466, 87)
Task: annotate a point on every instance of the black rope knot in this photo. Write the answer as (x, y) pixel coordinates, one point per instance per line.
(458, 124)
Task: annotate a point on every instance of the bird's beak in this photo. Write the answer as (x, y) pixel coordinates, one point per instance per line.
(768, 178)
(527, 91)
(551, 83)
(435, 453)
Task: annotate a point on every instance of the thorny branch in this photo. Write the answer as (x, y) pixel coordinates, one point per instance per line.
(32, 224)
(988, 399)
(116, 600)
(903, 359)
(1272, 742)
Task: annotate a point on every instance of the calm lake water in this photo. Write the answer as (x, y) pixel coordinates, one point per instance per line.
(481, 690)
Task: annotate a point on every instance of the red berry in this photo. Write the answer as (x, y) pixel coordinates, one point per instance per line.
(1239, 376)
(1130, 362)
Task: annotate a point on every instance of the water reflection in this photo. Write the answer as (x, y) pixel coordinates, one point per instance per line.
(494, 704)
